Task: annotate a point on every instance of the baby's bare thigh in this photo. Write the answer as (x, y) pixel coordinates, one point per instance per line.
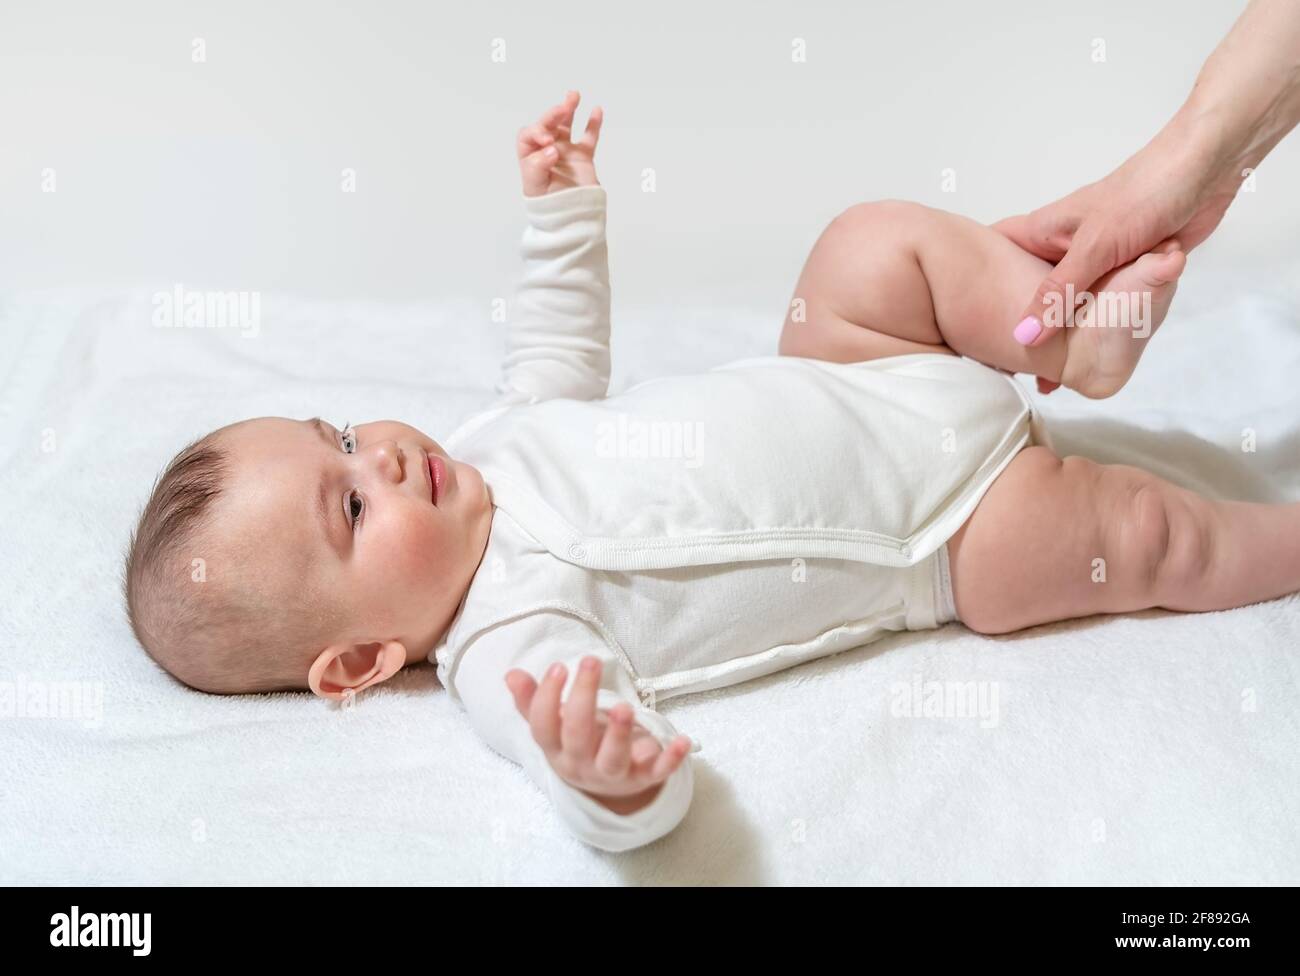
(1053, 539)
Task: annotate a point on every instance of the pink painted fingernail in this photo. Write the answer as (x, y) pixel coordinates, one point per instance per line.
(557, 669)
(1027, 331)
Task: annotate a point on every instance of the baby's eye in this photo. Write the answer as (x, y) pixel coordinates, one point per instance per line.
(355, 506)
(349, 437)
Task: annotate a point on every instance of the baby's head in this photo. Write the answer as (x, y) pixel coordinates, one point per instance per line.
(279, 554)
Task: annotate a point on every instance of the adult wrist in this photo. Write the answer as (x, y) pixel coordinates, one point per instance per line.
(1197, 148)
(1204, 133)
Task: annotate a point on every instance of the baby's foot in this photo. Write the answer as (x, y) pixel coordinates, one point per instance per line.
(1111, 331)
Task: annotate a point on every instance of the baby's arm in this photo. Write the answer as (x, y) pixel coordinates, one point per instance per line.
(532, 644)
(558, 338)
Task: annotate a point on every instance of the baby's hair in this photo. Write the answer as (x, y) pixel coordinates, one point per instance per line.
(193, 597)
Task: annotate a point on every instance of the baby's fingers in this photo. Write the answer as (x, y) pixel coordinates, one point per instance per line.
(559, 118)
(662, 763)
(522, 687)
(578, 730)
(535, 168)
(591, 134)
(532, 138)
(544, 716)
(615, 755)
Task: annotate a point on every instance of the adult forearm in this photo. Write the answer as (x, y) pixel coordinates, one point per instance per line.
(1247, 95)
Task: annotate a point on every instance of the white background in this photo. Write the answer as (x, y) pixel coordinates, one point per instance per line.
(226, 174)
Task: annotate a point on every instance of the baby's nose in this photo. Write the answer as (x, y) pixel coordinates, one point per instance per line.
(391, 461)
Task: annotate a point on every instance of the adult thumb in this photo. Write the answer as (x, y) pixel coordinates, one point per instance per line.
(1025, 231)
(1052, 308)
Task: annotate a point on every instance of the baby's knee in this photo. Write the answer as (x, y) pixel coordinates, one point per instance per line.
(1142, 530)
(1162, 538)
(890, 217)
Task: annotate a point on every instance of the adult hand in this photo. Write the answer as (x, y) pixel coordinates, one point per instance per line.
(1245, 100)
(1170, 191)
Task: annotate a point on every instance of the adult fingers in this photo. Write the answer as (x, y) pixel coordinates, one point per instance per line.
(1023, 230)
(1052, 307)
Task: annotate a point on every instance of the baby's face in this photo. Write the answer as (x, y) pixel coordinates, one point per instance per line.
(353, 518)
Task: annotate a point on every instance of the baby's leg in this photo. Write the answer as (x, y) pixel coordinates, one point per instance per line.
(1131, 541)
(891, 278)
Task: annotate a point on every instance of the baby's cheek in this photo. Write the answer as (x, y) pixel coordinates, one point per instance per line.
(417, 553)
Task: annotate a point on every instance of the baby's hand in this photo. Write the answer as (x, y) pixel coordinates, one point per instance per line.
(548, 158)
(613, 759)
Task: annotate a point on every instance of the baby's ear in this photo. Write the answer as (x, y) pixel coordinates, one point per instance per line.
(342, 670)
(392, 658)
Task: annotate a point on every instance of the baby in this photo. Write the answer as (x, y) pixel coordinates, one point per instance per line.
(568, 559)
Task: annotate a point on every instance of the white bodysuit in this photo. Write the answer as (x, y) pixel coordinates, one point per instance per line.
(697, 531)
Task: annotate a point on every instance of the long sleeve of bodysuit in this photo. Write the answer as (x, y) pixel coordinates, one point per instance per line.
(534, 643)
(557, 342)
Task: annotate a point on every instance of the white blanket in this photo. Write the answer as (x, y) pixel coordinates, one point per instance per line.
(1143, 749)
